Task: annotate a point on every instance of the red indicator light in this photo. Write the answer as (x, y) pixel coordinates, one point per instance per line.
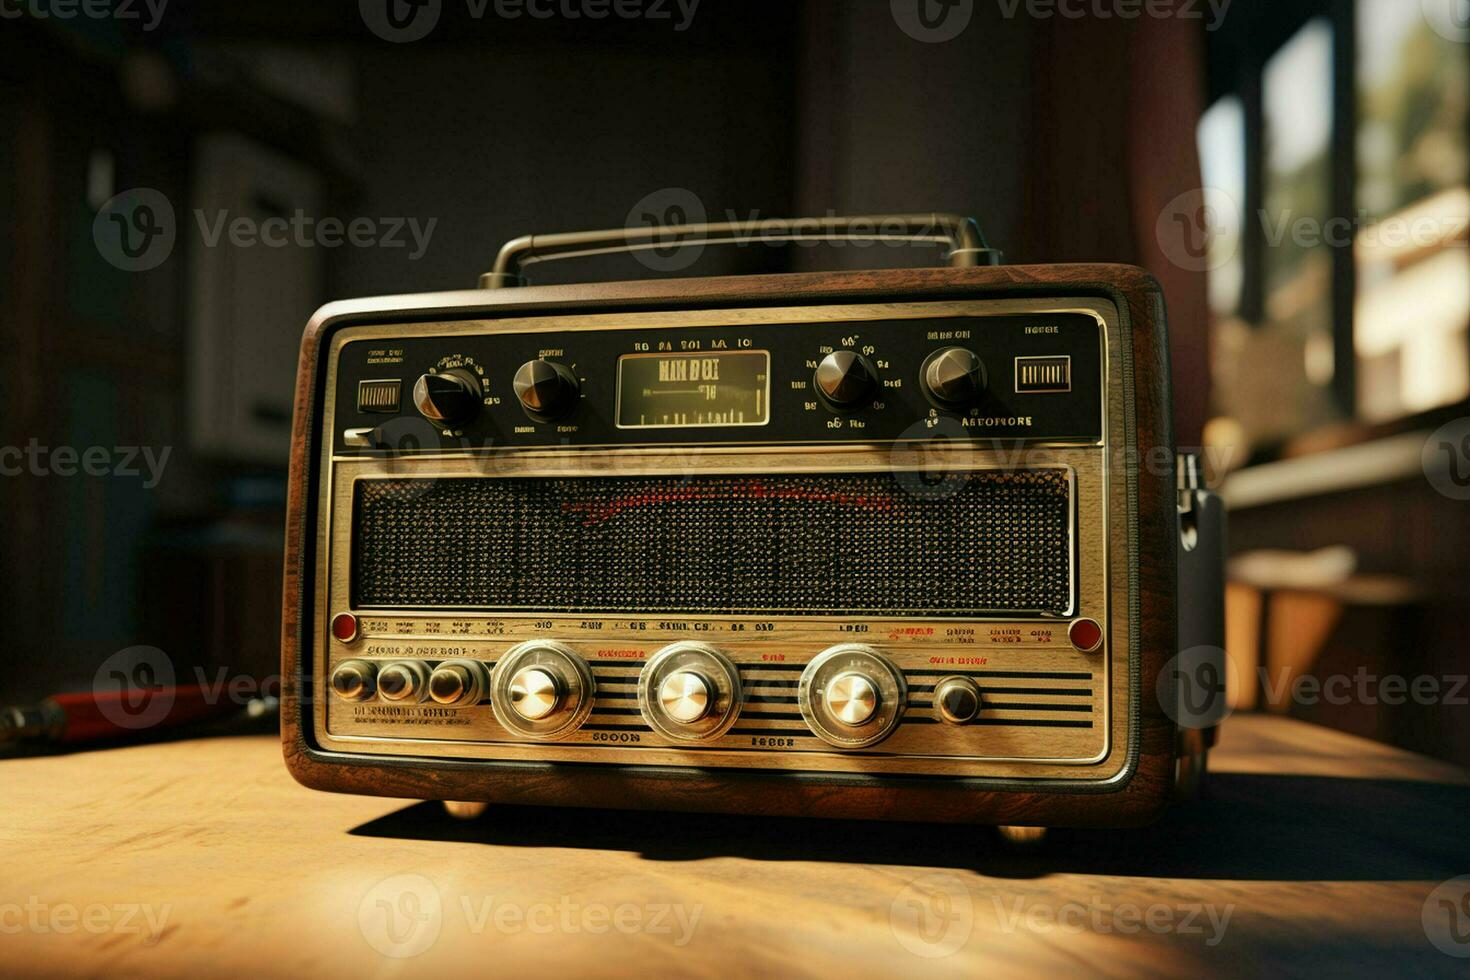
(1086, 635)
(344, 627)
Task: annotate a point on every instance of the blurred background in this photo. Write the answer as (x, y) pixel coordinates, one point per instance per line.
(1294, 172)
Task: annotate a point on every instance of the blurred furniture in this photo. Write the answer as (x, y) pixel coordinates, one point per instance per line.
(1395, 614)
(1322, 848)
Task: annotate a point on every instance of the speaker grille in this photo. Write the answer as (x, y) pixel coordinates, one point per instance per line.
(892, 544)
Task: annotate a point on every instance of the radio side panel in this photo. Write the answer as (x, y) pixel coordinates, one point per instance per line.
(1134, 797)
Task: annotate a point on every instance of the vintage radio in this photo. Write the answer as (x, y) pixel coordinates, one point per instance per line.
(883, 544)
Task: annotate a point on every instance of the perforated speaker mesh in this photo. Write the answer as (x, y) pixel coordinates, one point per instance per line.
(990, 541)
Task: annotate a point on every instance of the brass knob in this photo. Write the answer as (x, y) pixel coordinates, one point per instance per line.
(684, 696)
(534, 693)
(458, 683)
(957, 699)
(354, 680)
(852, 698)
(404, 682)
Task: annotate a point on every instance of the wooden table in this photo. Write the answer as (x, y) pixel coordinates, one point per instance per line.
(1315, 854)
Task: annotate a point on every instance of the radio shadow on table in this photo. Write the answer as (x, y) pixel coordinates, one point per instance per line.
(1250, 828)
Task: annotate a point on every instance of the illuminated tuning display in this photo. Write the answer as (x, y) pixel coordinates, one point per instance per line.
(667, 391)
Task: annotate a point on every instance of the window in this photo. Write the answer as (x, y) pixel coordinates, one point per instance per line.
(1343, 135)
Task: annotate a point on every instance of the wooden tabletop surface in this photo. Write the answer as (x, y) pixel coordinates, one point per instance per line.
(1316, 853)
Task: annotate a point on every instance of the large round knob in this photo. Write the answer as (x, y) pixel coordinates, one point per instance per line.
(852, 699)
(957, 700)
(541, 689)
(547, 390)
(954, 377)
(534, 693)
(689, 692)
(851, 696)
(405, 682)
(846, 379)
(684, 696)
(354, 680)
(448, 398)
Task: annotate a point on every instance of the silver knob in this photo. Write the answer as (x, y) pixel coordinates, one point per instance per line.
(354, 680)
(684, 696)
(534, 693)
(852, 698)
(405, 682)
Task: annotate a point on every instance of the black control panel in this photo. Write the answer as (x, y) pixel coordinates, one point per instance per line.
(1013, 377)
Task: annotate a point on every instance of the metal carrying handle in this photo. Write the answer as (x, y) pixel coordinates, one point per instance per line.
(961, 236)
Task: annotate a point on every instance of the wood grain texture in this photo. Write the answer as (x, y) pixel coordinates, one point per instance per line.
(1133, 801)
(1321, 848)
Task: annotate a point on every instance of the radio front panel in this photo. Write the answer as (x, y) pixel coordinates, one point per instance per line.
(755, 539)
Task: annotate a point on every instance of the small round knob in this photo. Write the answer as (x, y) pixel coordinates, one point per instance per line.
(547, 390)
(954, 377)
(852, 698)
(846, 378)
(405, 682)
(534, 693)
(447, 398)
(684, 696)
(354, 680)
(957, 699)
(458, 683)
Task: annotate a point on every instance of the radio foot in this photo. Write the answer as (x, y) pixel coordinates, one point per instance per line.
(1190, 765)
(1021, 836)
(465, 811)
